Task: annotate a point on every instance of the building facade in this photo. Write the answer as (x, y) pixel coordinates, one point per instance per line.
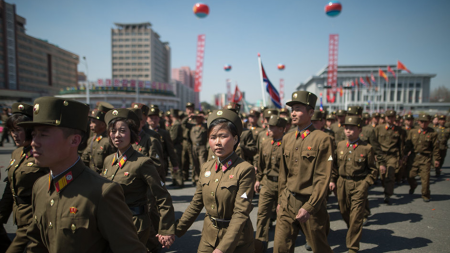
(410, 92)
(138, 53)
(30, 67)
(186, 77)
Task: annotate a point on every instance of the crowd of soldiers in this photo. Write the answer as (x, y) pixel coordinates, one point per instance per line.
(293, 157)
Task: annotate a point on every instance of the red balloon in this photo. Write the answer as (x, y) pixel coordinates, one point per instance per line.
(281, 66)
(201, 10)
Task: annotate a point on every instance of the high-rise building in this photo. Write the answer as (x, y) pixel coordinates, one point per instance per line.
(30, 67)
(138, 53)
(186, 77)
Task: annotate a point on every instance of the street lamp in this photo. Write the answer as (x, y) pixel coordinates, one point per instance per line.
(88, 99)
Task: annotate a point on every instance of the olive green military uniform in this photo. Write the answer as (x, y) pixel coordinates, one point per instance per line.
(136, 173)
(305, 173)
(391, 139)
(247, 148)
(186, 155)
(269, 163)
(255, 131)
(78, 210)
(151, 147)
(354, 171)
(423, 144)
(97, 150)
(199, 139)
(443, 136)
(168, 148)
(225, 189)
(22, 173)
(339, 134)
(176, 134)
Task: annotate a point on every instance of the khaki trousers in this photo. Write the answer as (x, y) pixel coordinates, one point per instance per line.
(352, 198)
(420, 167)
(199, 157)
(186, 159)
(388, 178)
(177, 177)
(268, 196)
(316, 228)
(20, 242)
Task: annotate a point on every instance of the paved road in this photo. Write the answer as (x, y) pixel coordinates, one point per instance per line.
(407, 225)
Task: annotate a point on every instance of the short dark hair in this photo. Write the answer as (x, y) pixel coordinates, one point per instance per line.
(134, 136)
(71, 131)
(227, 125)
(13, 120)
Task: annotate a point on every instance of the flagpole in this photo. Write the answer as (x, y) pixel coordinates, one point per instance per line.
(379, 91)
(261, 77)
(396, 89)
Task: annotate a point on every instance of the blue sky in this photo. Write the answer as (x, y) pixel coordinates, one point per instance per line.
(293, 32)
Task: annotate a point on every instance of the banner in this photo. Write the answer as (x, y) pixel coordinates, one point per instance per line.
(108, 82)
(148, 84)
(230, 98)
(281, 90)
(100, 82)
(141, 84)
(237, 97)
(332, 65)
(124, 83)
(116, 82)
(199, 63)
(133, 83)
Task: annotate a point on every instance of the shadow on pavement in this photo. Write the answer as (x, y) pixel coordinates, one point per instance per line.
(392, 217)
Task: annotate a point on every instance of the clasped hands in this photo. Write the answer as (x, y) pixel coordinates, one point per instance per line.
(166, 240)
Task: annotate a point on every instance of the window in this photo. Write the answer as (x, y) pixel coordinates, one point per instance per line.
(391, 97)
(399, 85)
(399, 95)
(417, 97)
(392, 85)
(410, 96)
(411, 85)
(418, 85)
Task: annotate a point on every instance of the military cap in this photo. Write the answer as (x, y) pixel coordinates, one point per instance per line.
(442, 117)
(153, 111)
(243, 115)
(97, 114)
(141, 106)
(423, 117)
(333, 113)
(254, 113)
(408, 116)
(189, 104)
(318, 115)
(382, 115)
(277, 121)
(138, 112)
(122, 113)
(303, 97)
(269, 112)
(366, 115)
(154, 106)
(436, 116)
(341, 113)
(398, 117)
(375, 115)
(52, 111)
(198, 113)
(284, 110)
(263, 108)
(228, 115)
(174, 112)
(234, 107)
(104, 106)
(22, 108)
(330, 116)
(167, 113)
(289, 120)
(353, 121)
(390, 113)
(354, 110)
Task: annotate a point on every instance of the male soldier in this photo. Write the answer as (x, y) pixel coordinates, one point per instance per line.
(317, 121)
(264, 134)
(338, 127)
(382, 120)
(98, 147)
(330, 120)
(168, 120)
(176, 134)
(267, 177)
(409, 125)
(354, 172)
(199, 139)
(186, 156)
(435, 121)
(366, 119)
(252, 124)
(145, 109)
(284, 112)
(375, 119)
(443, 136)
(423, 143)
(153, 121)
(75, 209)
(305, 173)
(391, 139)
(398, 120)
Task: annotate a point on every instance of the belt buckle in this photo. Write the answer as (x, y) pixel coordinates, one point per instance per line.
(214, 222)
(348, 177)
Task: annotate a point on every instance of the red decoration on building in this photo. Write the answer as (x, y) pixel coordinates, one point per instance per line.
(199, 64)
(332, 67)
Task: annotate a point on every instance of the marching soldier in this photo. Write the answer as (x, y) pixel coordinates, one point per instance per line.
(409, 123)
(443, 136)
(167, 120)
(176, 134)
(22, 173)
(338, 127)
(391, 139)
(366, 119)
(267, 177)
(421, 144)
(74, 208)
(435, 121)
(354, 172)
(375, 119)
(382, 119)
(186, 156)
(330, 120)
(199, 138)
(253, 117)
(318, 123)
(305, 172)
(98, 147)
(247, 148)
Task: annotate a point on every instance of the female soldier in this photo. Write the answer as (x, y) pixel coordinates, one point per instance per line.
(136, 174)
(225, 189)
(22, 173)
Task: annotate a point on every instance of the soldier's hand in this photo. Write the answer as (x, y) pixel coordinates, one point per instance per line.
(332, 186)
(217, 251)
(436, 164)
(302, 215)
(382, 169)
(257, 185)
(166, 240)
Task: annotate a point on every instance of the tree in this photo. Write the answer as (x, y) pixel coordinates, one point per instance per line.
(440, 94)
(207, 106)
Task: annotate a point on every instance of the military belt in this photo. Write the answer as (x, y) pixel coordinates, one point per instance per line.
(137, 210)
(354, 178)
(219, 223)
(272, 178)
(22, 200)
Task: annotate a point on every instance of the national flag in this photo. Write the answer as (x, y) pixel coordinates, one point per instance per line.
(382, 74)
(356, 83)
(237, 96)
(373, 79)
(321, 105)
(368, 81)
(362, 81)
(391, 71)
(341, 91)
(274, 95)
(402, 67)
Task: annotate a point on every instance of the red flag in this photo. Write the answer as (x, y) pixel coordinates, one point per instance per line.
(391, 71)
(382, 74)
(100, 82)
(237, 97)
(341, 92)
(402, 67)
(357, 83)
(199, 64)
